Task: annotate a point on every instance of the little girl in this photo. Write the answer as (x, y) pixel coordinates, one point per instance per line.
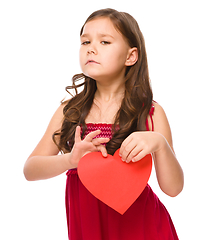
(114, 110)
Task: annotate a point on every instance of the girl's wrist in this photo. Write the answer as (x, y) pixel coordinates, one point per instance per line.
(68, 161)
(162, 143)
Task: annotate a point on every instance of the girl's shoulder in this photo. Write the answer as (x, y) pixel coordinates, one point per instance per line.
(157, 108)
(57, 117)
(46, 146)
(158, 113)
(161, 123)
(155, 111)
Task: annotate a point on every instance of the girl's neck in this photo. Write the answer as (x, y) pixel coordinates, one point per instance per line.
(110, 92)
(107, 101)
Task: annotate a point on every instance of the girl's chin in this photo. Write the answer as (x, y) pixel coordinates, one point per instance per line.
(96, 77)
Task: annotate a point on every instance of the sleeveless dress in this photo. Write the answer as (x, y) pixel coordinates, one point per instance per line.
(90, 219)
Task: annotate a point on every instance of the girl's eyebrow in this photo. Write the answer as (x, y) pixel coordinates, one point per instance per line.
(84, 35)
(105, 35)
(100, 34)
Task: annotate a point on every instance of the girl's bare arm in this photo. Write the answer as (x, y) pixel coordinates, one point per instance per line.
(159, 143)
(44, 162)
(168, 170)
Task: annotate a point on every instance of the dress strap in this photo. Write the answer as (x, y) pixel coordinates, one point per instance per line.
(151, 112)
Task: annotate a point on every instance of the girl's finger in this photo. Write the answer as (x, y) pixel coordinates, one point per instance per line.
(133, 153)
(98, 141)
(103, 150)
(78, 134)
(127, 150)
(140, 155)
(91, 135)
(124, 144)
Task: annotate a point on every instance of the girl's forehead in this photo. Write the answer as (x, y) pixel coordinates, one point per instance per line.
(102, 25)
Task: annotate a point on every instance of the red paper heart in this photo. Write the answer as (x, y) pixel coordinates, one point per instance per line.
(114, 182)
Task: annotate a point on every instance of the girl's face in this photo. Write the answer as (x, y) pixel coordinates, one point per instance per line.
(104, 53)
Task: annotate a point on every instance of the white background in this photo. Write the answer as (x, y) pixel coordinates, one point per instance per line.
(39, 45)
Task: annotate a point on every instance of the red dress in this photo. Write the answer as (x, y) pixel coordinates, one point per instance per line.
(90, 219)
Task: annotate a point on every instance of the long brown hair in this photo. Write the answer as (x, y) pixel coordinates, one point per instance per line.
(136, 103)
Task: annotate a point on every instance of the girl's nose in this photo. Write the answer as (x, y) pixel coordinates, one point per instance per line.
(92, 50)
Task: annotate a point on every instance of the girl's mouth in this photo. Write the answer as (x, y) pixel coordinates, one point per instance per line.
(91, 62)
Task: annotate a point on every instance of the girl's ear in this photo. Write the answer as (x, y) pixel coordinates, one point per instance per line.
(132, 57)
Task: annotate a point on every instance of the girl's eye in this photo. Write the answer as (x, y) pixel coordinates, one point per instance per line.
(105, 42)
(85, 42)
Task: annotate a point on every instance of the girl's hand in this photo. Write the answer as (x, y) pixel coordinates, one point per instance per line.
(138, 144)
(82, 147)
